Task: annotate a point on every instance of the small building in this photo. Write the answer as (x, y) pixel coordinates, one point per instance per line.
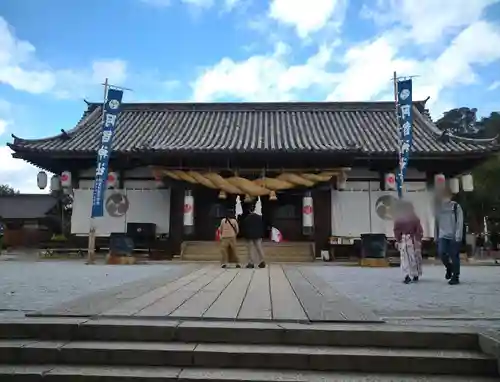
(320, 171)
(28, 219)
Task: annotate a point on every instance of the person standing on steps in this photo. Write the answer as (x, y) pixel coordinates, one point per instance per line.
(253, 228)
(228, 232)
(448, 235)
(408, 233)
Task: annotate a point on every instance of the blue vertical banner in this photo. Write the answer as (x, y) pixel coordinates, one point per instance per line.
(405, 119)
(111, 109)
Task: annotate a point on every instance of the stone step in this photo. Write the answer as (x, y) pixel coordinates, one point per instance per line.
(59, 373)
(204, 331)
(314, 358)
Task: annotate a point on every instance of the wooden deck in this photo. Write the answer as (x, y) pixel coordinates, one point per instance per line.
(288, 293)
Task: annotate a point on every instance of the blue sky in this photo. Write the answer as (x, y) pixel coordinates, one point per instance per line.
(55, 53)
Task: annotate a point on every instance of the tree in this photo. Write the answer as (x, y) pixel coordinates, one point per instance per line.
(7, 190)
(463, 122)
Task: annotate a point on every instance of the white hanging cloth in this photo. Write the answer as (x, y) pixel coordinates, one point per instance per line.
(258, 207)
(238, 208)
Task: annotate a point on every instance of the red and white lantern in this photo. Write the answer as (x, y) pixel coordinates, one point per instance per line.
(454, 185)
(467, 183)
(390, 181)
(439, 181)
(65, 179)
(112, 180)
(307, 214)
(188, 212)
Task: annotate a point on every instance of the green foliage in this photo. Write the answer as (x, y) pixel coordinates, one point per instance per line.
(7, 190)
(463, 122)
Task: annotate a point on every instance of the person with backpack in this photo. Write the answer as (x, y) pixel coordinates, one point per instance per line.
(229, 230)
(449, 234)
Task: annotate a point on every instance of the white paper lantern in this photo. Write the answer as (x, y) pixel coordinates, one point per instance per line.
(41, 180)
(454, 185)
(467, 183)
(390, 181)
(66, 179)
(439, 181)
(112, 180)
(55, 183)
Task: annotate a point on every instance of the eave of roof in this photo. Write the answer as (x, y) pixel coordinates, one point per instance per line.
(365, 128)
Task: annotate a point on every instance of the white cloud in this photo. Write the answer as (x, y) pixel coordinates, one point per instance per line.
(22, 70)
(3, 126)
(230, 4)
(364, 70)
(428, 21)
(494, 86)
(199, 3)
(17, 173)
(264, 77)
(306, 16)
(369, 66)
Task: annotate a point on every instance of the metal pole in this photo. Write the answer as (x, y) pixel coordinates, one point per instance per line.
(92, 233)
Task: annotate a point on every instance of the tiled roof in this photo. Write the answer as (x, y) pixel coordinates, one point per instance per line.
(26, 206)
(365, 127)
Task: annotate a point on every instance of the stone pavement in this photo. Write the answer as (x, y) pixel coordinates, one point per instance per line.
(30, 286)
(276, 293)
(27, 287)
(475, 302)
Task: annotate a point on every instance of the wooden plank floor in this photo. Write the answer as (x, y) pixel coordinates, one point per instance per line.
(288, 293)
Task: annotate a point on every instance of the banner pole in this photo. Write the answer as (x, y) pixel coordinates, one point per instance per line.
(92, 230)
(395, 87)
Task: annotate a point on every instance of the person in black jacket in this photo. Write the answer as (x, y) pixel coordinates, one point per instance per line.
(253, 228)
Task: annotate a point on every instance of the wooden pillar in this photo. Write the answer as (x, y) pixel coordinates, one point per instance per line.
(322, 204)
(176, 220)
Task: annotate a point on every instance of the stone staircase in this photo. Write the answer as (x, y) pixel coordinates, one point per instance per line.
(73, 349)
(274, 252)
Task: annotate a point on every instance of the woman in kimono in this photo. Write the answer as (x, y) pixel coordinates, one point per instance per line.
(408, 233)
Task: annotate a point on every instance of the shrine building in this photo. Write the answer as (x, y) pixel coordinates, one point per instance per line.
(320, 172)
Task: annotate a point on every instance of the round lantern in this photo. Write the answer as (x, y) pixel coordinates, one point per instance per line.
(467, 183)
(439, 181)
(112, 180)
(454, 185)
(55, 183)
(390, 181)
(41, 180)
(65, 179)
(188, 219)
(307, 214)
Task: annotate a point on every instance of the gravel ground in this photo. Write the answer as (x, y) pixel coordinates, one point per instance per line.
(476, 301)
(31, 286)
